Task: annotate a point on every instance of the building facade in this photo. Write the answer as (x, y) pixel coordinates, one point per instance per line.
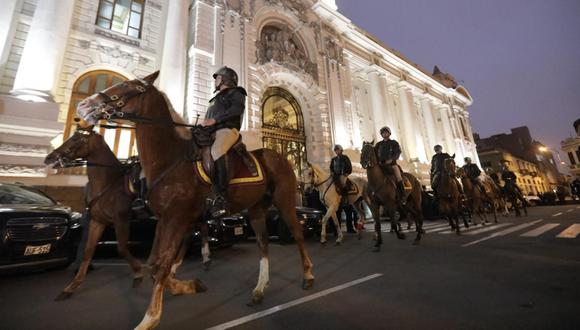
(529, 176)
(520, 144)
(571, 147)
(313, 78)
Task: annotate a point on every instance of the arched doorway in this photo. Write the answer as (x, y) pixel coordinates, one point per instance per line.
(121, 141)
(283, 127)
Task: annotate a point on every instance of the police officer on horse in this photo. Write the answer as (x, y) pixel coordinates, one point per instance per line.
(472, 171)
(224, 114)
(388, 151)
(340, 169)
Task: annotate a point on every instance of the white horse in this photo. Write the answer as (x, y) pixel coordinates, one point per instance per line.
(323, 182)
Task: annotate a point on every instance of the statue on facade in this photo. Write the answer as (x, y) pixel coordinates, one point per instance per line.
(445, 79)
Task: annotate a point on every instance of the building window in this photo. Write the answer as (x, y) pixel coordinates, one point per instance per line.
(572, 160)
(123, 16)
(121, 141)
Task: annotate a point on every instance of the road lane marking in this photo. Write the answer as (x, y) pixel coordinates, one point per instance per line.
(570, 210)
(438, 229)
(275, 309)
(503, 232)
(479, 230)
(540, 230)
(426, 227)
(557, 214)
(570, 232)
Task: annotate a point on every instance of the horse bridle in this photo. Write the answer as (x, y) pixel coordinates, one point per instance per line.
(63, 159)
(111, 106)
(370, 163)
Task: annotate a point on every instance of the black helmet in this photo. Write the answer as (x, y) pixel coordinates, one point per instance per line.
(437, 147)
(338, 147)
(385, 129)
(229, 76)
(467, 159)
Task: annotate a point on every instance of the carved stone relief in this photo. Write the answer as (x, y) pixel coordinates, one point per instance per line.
(333, 50)
(281, 46)
(113, 52)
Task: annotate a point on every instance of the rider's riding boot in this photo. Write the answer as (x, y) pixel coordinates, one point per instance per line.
(401, 193)
(219, 206)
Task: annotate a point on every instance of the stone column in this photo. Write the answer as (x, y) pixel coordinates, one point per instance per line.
(6, 20)
(173, 61)
(44, 48)
(447, 130)
(429, 124)
(409, 141)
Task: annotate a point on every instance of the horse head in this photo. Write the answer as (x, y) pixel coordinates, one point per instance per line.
(78, 146)
(368, 156)
(449, 166)
(119, 101)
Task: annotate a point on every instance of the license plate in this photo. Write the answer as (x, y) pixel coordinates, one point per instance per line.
(33, 250)
(238, 231)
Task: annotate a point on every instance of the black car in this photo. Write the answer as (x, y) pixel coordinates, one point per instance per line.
(223, 232)
(36, 231)
(310, 219)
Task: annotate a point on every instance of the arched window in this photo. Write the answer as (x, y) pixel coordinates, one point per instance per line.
(121, 141)
(283, 126)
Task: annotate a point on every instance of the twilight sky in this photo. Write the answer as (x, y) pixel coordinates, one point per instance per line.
(519, 59)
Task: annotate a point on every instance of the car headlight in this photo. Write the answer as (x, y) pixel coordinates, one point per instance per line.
(75, 220)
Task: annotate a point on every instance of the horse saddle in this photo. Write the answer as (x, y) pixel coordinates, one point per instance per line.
(243, 167)
(351, 188)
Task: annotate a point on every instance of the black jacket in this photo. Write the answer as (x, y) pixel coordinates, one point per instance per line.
(340, 165)
(227, 108)
(438, 162)
(388, 150)
(508, 176)
(472, 170)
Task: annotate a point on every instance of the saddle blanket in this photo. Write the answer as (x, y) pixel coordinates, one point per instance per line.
(238, 171)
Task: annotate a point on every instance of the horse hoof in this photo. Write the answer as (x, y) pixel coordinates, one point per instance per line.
(199, 286)
(307, 283)
(137, 282)
(323, 242)
(257, 298)
(206, 265)
(63, 296)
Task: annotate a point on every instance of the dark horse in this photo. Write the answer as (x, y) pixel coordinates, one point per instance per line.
(108, 200)
(514, 196)
(449, 196)
(177, 195)
(382, 191)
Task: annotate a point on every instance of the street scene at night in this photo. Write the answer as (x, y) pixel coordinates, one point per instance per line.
(289, 164)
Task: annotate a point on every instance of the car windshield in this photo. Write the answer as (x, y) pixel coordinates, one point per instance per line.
(10, 195)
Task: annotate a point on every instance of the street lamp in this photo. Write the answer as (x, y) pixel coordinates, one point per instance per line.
(545, 149)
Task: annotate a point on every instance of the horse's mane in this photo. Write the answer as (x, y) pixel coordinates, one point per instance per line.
(318, 171)
(183, 132)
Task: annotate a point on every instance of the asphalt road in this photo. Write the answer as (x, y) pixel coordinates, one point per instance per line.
(517, 275)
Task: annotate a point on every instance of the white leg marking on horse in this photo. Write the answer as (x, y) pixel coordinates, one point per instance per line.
(275, 309)
(147, 323)
(264, 277)
(205, 252)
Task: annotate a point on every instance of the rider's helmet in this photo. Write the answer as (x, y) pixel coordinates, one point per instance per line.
(229, 76)
(438, 148)
(467, 160)
(338, 147)
(385, 129)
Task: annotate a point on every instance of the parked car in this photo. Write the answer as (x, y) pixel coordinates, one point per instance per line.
(36, 231)
(310, 219)
(532, 200)
(223, 232)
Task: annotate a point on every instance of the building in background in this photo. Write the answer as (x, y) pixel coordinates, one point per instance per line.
(313, 78)
(520, 147)
(530, 179)
(571, 147)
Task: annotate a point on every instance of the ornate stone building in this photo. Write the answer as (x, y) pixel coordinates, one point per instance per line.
(313, 78)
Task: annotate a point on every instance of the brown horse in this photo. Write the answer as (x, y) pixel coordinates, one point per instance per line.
(108, 200)
(449, 196)
(382, 191)
(177, 195)
(475, 198)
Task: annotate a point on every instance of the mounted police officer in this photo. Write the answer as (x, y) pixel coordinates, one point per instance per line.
(388, 151)
(225, 115)
(510, 178)
(340, 169)
(473, 172)
(437, 166)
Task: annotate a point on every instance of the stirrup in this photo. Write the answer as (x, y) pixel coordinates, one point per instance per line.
(218, 207)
